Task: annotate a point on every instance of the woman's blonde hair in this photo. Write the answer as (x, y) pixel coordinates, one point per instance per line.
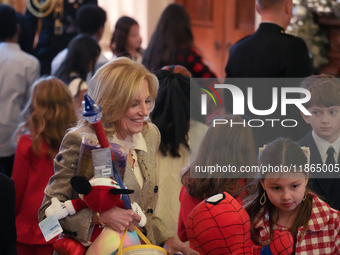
(115, 87)
(48, 114)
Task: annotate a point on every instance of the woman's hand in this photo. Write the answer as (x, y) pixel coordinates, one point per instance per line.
(173, 245)
(119, 219)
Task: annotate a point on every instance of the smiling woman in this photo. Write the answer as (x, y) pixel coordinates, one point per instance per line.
(132, 121)
(126, 91)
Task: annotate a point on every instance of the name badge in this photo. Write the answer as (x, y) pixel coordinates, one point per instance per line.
(50, 227)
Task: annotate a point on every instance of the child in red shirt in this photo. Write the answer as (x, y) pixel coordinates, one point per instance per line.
(49, 112)
(223, 145)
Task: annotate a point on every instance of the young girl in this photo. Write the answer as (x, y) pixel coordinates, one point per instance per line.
(223, 145)
(282, 201)
(126, 41)
(83, 52)
(172, 43)
(49, 112)
(172, 117)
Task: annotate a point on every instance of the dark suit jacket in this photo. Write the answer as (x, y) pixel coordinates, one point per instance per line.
(50, 44)
(269, 53)
(328, 189)
(8, 234)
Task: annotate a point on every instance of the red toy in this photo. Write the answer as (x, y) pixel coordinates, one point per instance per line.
(98, 194)
(220, 225)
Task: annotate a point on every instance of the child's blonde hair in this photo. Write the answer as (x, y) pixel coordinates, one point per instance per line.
(47, 115)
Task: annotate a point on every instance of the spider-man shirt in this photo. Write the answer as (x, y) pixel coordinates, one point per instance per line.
(188, 203)
(322, 235)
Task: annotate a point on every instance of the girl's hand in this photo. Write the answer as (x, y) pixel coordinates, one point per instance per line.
(172, 245)
(119, 219)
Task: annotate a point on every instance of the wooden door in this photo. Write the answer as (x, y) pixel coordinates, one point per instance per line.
(217, 25)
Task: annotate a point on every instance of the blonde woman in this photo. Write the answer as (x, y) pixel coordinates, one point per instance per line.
(126, 91)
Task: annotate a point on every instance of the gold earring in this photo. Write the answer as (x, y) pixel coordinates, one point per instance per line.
(304, 198)
(263, 198)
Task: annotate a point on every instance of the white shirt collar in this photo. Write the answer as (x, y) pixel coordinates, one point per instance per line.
(14, 46)
(138, 139)
(323, 146)
(140, 142)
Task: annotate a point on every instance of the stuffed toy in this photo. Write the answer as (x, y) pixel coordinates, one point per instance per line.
(220, 225)
(98, 194)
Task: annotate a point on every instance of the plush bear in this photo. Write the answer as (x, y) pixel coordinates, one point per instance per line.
(98, 194)
(220, 225)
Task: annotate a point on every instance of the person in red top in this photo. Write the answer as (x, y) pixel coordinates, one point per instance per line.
(223, 145)
(172, 43)
(282, 201)
(47, 115)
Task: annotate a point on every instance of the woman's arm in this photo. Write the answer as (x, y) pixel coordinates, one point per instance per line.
(59, 186)
(81, 224)
(118, 219)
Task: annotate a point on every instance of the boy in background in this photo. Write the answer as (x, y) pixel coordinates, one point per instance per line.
(18, 71)
(324, 140)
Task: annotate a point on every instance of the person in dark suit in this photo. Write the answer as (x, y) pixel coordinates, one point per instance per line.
(58, 29)
(270, 53)
(324, 140)
(8, 234)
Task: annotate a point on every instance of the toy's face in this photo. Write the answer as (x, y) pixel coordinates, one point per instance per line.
(219, 225)
(100, 199)
(99, 194)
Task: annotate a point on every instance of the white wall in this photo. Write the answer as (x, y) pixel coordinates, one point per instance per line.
(145, 12)
(257, 19)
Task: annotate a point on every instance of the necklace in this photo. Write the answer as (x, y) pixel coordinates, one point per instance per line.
(130, 160)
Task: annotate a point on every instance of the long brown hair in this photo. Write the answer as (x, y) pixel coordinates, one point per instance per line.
(283, 152)
(120, 36)
(47, 115)
(172, 34)
(223, 145)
